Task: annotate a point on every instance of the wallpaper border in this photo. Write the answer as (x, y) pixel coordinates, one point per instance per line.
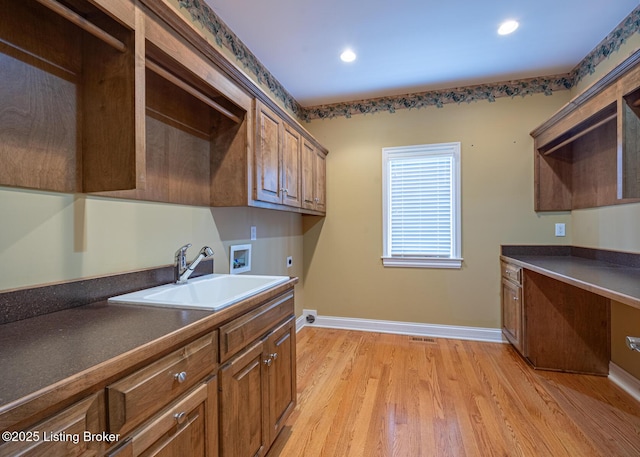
(200, 12)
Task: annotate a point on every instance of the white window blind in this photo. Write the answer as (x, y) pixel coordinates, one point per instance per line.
(421, 206)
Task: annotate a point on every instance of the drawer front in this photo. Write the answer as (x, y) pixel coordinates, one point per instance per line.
(187, 427)
(242, 331)
(64, 433)
(511, 272)
(136, 397)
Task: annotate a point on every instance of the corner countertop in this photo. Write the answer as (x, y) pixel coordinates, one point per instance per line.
(611, 274)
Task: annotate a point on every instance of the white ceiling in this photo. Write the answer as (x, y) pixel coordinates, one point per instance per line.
(407, 46)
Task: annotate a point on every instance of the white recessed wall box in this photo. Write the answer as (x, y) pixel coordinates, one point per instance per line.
(240, 258)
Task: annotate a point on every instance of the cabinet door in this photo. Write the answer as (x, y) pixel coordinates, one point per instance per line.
(313, 178)
(281, 376)
(291, 147)
(187, 427)
(267, 177)
(512, 318)
(242, 431)
(308, 175)
(320, 173)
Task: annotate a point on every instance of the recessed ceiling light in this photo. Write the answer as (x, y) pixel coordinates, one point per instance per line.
(508, 27)
(348, 56)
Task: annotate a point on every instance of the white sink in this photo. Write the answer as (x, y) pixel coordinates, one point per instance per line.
(210, 292)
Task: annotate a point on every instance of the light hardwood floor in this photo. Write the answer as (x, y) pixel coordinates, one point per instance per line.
(371, 394)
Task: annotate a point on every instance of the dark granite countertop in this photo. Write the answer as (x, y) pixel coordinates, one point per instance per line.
(38, 352)
(607, 273)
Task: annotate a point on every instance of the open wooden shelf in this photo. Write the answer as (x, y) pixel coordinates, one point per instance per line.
(587, 154)
(62, 67)
(184, 120)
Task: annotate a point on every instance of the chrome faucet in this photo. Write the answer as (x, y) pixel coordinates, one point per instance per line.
(181, 270)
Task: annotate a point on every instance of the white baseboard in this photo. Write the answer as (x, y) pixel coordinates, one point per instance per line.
(624, 380)
(300, 323)
(492, 335)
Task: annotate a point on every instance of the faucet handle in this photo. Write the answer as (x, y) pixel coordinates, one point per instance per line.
(183, 249)
(181, 253)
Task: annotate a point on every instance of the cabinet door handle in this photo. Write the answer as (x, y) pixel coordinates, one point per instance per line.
(268, 361)
(180, 417)
(180, 377)
(274, 355)
(515, 297)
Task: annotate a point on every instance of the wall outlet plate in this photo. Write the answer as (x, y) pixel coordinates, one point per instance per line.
(253, 233)
(239, 258)
(310, 315)
(560, 230)
(289, 261)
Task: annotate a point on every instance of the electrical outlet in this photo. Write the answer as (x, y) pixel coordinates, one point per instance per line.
(253, 233)
(560, 230)
(289, 261)
(310, 315)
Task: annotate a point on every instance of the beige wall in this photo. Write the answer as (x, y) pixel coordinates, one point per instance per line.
(615, 228)
(52, 237)
(343, 271)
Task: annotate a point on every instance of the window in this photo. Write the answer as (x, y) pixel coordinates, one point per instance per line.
(421, 206)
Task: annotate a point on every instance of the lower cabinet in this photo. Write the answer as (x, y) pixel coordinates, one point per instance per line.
(555, 325)
(281, 376)
(242, 431)
(182, 403)
(257, 393)
(512, 306)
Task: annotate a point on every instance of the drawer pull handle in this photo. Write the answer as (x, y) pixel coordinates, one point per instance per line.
(180, 377)
(180, 417)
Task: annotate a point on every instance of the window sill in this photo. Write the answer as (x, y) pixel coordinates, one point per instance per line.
(421, 262)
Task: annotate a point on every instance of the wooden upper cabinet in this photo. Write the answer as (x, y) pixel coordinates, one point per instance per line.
(277, 159)
(126, 99)
(188, 121)
(290, 168)
(588, 153)
(267, 155)
(68, 84)
(313, 177)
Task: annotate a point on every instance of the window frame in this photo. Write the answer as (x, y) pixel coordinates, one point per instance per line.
(424, 150)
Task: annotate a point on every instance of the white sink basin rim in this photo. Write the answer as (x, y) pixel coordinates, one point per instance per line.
(210, 292)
